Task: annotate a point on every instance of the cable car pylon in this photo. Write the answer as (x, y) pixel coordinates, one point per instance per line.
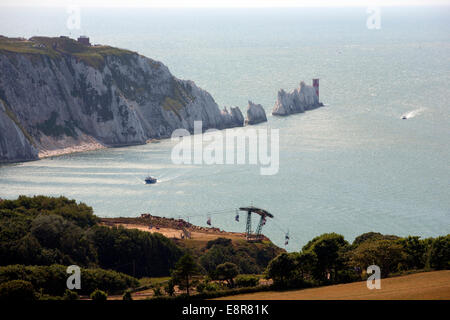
(256, 237)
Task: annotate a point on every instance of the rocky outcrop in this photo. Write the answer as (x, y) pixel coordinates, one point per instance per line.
(62, 94)
(233, 118)
(255, 113)
(300, 100)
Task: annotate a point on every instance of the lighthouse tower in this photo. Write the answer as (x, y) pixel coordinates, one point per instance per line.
(316, 86)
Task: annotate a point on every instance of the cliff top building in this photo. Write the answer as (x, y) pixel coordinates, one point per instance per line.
(84, 40)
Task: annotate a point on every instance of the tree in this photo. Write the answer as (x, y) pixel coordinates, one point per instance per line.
(227, 271)
(329, 249)
(169, 288)
(372, 236)
(386, 254)
(281, 269)
(306, 262)
(415, 250)
(440, 253)
(184, 270)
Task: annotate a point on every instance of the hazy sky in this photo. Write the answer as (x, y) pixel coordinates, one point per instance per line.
(219, 3)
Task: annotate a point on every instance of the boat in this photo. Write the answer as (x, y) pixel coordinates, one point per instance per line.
(404, 118)
(150, 180)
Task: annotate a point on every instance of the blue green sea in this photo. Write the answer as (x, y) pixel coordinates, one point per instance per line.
(351, 167)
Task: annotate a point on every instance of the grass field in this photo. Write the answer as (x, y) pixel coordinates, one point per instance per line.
(420, 286)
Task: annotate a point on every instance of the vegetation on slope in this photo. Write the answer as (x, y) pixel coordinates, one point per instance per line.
(329, 259)
(41, 235)
(45, 231)
(56, 47)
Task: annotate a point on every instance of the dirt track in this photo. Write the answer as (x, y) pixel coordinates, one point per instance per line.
(420, 286)
(172, 228)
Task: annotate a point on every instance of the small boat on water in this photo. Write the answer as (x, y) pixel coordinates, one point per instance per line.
(150, 180)
(404, 118)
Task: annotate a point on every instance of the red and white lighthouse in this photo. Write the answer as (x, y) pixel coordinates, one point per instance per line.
(316, 86)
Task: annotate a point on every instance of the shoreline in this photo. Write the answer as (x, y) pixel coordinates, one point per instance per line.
(85, 147)
(90, 146)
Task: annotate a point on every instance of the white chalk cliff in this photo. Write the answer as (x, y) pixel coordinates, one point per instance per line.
(57, 93)
(300, 100)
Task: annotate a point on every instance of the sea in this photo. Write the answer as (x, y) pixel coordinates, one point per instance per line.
(350, 167)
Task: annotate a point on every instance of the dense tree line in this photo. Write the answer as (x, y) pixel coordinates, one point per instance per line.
(329, 258)
(134, 252)
(45, 231)
(51, 280)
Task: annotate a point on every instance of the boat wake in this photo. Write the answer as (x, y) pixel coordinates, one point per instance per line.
(412, 114)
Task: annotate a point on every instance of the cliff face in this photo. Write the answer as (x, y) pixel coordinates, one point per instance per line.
(300, 100)
(14, 144)
(63, 94)
(255, 113)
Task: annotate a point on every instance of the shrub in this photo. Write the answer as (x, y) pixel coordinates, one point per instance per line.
(157, 291)
(127, 296)
(169, 288)
(227, 271)
(246, 281)
(99, 295)
(17, 290)
(70, 295)
(219, 241)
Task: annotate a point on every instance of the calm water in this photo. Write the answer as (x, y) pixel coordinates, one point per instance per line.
(351, 167)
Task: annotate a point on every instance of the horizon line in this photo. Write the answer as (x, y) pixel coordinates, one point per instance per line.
(231, 4)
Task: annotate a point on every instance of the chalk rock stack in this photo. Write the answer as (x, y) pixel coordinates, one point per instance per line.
(255, 113)
(232, 118)
(300, 100)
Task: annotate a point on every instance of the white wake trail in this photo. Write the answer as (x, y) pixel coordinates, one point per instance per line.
(412, 114)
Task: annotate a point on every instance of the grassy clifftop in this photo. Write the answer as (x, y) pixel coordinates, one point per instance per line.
(56, 47)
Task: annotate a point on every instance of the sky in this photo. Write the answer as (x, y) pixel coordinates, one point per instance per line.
(220, 3)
